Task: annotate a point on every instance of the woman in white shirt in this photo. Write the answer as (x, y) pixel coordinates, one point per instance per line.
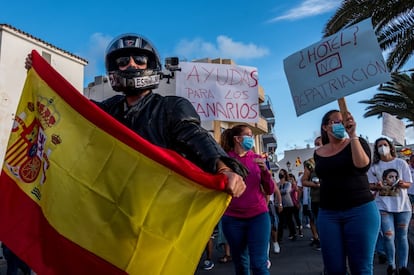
(390, 177)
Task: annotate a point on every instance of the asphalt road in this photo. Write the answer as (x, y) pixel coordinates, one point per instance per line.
(296, 258)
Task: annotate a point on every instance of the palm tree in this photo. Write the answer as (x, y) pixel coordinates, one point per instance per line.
(397, 98)
(393, 22)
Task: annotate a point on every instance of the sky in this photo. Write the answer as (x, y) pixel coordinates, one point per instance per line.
(252, 33)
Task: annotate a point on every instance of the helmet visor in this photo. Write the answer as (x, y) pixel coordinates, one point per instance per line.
(138, 59)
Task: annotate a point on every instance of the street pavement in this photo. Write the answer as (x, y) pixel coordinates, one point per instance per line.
(295, 258)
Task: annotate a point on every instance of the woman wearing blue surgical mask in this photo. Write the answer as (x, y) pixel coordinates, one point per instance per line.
(392, 199)
(246, 222)
(348, 219)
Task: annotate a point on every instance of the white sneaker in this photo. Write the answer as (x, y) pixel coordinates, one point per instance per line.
(276, 248)
(208, 264)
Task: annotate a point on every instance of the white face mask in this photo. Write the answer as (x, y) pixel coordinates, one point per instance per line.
(383, 150)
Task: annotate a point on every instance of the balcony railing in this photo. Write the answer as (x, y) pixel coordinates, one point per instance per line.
(266, 108)
(269, 138)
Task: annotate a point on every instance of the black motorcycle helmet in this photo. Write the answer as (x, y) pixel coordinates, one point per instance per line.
(131, 80)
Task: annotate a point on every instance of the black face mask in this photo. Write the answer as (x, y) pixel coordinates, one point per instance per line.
(281, 176)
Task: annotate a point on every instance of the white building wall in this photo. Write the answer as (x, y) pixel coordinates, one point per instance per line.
(296, 158)
(14, 47)
(99, 90)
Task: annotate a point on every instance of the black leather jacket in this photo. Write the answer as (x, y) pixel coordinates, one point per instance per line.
(171, 122)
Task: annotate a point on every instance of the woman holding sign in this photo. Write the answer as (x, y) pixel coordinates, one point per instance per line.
(348, 219)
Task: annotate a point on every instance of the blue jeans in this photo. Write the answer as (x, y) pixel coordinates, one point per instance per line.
(351, 234)
(14, 263)
(248, 240)
(274, 218)
(379, 247)
(395, 229)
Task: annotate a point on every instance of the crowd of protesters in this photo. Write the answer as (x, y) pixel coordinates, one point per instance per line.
(356, 199)
(353, 203)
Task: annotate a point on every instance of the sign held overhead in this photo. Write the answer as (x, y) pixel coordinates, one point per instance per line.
(339, 65)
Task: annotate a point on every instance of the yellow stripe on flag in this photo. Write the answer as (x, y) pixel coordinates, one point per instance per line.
(103, 195)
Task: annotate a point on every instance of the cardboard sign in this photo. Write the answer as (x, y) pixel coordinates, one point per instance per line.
(220, 92)
(393, 128)
(339, 65)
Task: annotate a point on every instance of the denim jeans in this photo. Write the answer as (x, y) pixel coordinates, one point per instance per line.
(395, 229)
(14, 263)
(248, 239)
(379, 247)
(274, 218)
(351, 234)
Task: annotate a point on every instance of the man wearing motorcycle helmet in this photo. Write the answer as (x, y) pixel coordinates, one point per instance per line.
(132, 64)
(134, 69)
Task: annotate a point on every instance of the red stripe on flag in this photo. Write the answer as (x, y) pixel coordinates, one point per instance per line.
(37, 242)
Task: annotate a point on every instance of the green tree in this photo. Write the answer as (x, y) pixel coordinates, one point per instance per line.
(393, 23)
(397, 98)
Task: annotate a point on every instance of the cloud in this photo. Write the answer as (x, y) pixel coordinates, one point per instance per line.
(224, 47)
(95, 54)
(308, 8)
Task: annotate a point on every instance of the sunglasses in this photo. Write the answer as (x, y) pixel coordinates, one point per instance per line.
(138, 59)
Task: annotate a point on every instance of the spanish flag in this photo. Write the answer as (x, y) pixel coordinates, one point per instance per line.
(406, 151)
(82, 194)
(298, 162)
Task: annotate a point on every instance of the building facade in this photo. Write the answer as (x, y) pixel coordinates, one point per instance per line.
(14, 47)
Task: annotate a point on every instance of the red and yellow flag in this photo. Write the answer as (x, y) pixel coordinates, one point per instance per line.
(406, 151)
(298, 162)
(82, 194)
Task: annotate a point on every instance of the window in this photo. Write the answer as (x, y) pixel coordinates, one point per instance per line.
(47, 56)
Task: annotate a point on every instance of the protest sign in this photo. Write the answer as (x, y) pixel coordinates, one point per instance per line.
(219, 91)
(339, 65)
(394, 128)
